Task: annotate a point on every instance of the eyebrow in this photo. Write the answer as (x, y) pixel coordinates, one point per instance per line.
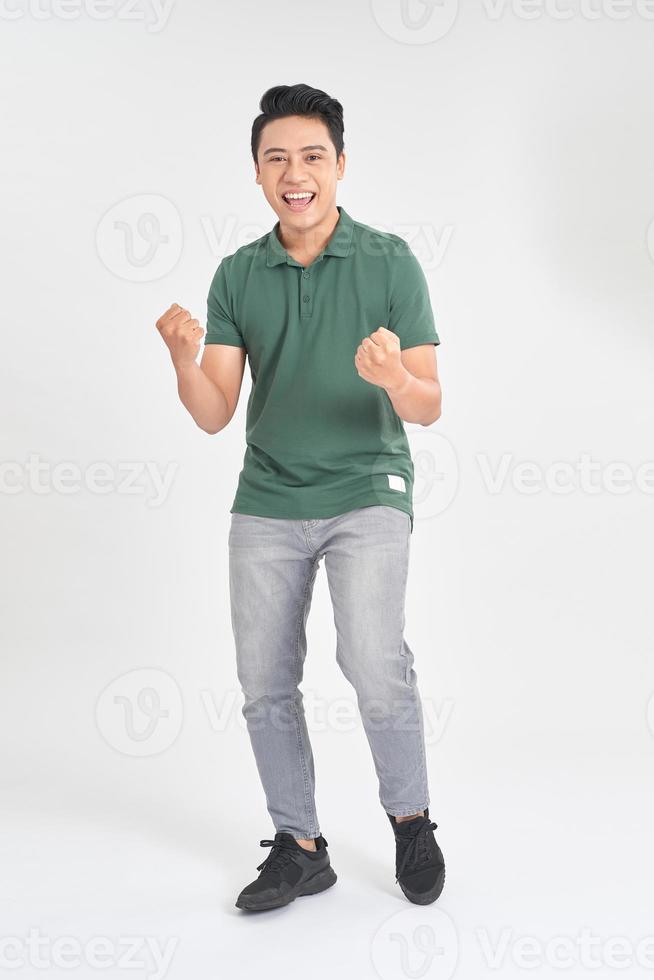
(280, 149)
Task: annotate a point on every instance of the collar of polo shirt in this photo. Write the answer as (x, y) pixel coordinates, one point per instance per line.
(338, 244)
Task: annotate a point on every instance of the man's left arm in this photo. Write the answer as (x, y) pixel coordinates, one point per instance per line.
(401, 357)
(409, 377)
(417, 395)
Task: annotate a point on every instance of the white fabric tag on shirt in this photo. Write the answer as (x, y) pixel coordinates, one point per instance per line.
(396, 482)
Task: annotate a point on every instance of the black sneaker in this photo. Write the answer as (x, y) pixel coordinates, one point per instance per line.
(288, 871)
(419, 863)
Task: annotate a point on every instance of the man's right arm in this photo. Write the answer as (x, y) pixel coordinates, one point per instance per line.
(209, 390)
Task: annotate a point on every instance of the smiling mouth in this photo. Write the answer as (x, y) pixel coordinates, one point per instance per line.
(298, 204)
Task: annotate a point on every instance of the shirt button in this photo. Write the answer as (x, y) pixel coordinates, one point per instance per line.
(305, 299)
(306, 274)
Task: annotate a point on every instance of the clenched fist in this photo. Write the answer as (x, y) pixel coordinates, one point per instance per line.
(181, 334)
(378, 359)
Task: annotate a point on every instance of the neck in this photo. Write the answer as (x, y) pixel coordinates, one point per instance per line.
(310, 242)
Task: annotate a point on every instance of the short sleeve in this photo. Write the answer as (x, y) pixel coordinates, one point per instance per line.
(411, 316)
(221, 328)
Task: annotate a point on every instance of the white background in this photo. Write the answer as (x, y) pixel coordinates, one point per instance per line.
(513, 147)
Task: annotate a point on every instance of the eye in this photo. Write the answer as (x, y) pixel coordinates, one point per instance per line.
(316, 156)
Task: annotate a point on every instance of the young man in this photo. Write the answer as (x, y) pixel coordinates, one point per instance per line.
(335, 319)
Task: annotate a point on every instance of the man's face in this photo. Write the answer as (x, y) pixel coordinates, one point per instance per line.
(296, 154)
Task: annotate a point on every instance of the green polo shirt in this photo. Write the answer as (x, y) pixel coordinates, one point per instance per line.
(320, 439)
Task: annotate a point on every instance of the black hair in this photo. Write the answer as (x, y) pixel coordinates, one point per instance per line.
(299, 100)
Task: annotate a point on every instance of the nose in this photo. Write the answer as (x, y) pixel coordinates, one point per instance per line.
(294, 170)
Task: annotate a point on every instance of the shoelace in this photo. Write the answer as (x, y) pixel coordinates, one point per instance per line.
(417, 846)
(280, 854)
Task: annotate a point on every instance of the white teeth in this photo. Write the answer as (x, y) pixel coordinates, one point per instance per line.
(297, 197)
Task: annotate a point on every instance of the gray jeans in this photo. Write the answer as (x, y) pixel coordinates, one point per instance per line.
(272, 568)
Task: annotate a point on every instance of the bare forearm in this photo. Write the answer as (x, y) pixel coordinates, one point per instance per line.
(202, 398)
(416, 399)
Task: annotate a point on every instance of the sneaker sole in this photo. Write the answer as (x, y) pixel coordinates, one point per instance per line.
(426, 898)
(311, 886)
